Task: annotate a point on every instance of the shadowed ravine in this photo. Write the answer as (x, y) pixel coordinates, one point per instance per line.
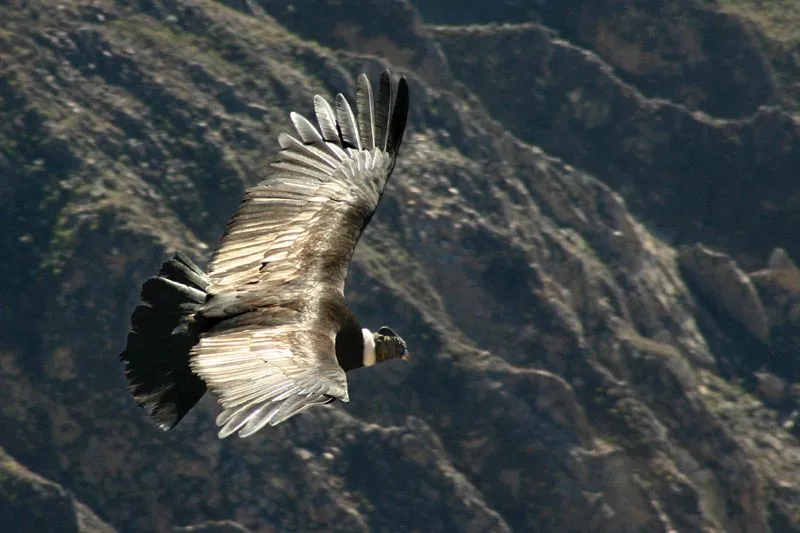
(578, 244)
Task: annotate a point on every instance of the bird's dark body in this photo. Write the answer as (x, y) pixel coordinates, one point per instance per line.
(266, 327)
(349, 342)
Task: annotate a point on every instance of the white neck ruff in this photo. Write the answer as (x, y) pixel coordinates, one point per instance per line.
(369, 348)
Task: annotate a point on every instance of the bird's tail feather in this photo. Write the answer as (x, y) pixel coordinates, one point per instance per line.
(163, 331)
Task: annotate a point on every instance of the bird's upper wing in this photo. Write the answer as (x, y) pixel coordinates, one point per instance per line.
(295, 233)
(306, 217)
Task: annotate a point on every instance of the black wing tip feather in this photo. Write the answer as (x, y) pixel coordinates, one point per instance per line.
(399, 117)
(391, 111)
(381, 126)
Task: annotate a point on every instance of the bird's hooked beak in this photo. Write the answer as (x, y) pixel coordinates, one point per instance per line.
(406, 357)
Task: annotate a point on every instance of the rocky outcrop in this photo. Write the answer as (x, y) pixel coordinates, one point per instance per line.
(727, 183)
(31, 503)
(700, 54)
(568, 374)
(779, 288)
(721, 280)
(392, 30)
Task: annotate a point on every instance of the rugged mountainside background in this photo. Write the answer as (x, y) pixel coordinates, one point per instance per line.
(588, 244)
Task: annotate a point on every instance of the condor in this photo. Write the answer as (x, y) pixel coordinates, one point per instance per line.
(266, 328)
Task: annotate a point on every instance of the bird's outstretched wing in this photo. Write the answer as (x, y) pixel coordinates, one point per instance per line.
(294, 234)
(264, 376)
(306, 217)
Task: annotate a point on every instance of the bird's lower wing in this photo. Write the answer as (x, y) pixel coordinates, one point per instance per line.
(265, 376)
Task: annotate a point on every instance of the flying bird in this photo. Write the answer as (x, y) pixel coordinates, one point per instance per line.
(266, 327)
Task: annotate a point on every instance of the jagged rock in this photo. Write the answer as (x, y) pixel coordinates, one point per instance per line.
(772, 388)
(392, 30)
(720, 279)
(689, 176)
(779, 288)
(31, 503)
(680, 50)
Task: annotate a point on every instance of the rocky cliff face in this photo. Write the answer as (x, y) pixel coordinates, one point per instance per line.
(581, 363)
(31, 503)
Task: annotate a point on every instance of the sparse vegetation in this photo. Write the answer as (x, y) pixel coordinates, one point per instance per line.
(778, 19)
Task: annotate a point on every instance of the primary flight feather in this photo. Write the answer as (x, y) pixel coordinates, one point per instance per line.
(266, 328)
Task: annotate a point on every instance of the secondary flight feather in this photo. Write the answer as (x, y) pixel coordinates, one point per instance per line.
(266, 327)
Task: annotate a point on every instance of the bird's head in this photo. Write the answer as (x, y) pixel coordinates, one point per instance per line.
(387, 345)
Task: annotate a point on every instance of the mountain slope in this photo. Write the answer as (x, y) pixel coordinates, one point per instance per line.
(566, 355)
